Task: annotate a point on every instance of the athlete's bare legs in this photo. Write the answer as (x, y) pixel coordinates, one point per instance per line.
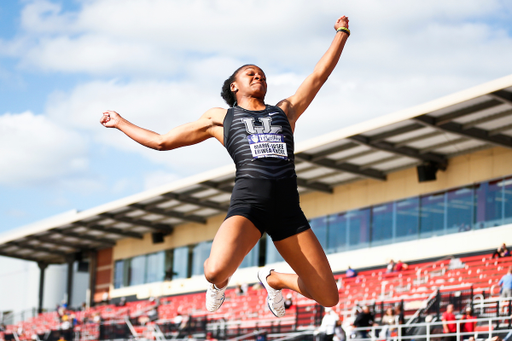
(313, 276)
(235, 238)
(238, 235)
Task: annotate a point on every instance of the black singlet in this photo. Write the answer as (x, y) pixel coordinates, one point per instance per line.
(265, 192)
(260, 143)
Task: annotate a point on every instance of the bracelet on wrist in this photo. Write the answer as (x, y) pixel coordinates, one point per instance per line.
(343, 29)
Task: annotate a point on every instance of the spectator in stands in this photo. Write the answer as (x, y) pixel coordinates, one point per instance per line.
(288, 302)
(469, 325)
(209, 337)
(387, 321)
(506, 284)
(391, 266)
(339, 333)
(502, 251)
(351, 272)
(449, 326)
(328, 324)
(364, 319)
(399, 266)
(122, 302)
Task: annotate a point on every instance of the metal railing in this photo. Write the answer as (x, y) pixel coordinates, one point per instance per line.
(486, 329)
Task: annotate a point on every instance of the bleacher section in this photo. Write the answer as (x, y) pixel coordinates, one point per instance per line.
(466, 278)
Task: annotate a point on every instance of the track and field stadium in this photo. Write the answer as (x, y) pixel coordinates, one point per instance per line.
(429, 186)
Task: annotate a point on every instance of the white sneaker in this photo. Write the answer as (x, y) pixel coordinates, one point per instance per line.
(214, 297)
(275, 300)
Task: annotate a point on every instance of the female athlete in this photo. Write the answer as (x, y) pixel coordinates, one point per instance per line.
(259, 138)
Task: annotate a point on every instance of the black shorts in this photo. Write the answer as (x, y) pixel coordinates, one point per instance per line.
(271, 205)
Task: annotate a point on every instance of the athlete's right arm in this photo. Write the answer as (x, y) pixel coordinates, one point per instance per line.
(209, 125)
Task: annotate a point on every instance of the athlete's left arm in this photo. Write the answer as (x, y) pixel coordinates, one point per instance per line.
(295, 105)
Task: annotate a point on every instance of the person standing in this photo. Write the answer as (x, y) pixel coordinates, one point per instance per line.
(364, 319)
(506, 284)
(449, 327)
(469, 325)
(328, 325)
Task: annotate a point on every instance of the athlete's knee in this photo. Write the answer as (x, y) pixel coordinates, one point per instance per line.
(329, 298)
(214, 274)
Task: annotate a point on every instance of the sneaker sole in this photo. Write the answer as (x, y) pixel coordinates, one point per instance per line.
(268, 304)
(220, 305)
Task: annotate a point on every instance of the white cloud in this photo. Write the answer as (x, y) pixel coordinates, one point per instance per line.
(34, 149)
(169, 58)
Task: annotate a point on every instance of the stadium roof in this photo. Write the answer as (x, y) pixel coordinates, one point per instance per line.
(431, 133)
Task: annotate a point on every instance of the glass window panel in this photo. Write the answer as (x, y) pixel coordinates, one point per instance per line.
(200, 253)
(180, 262)
(319, 227)
(155, 267)
(432, 215)
(407, 219)
(127, 271)
(138, 270)
(273, 256)
(118, 274)
(252, 257)
(337, 233)
(489, 204)
(169, 254)
(506, 184)
(382, 224)
(359, 228)
(459, 209)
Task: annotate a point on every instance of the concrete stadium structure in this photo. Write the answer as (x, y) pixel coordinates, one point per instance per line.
(422, 183)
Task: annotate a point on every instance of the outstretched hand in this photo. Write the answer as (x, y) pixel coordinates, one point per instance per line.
(341, 22)
(110, 119)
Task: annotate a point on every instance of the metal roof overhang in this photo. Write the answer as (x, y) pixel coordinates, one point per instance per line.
(470, 120)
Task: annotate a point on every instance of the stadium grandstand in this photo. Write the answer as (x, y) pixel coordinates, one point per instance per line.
(429, 186)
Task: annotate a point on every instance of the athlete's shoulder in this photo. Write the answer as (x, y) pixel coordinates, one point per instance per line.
(215, 113)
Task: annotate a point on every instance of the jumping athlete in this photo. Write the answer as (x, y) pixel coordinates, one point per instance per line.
(259, 138)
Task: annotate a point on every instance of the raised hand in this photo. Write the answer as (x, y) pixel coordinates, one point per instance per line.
(110, 119)
(341, 22)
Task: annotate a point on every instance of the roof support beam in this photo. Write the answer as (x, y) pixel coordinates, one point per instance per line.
(36, 248)
(500, 130)
(418, 138)
(195, 201)
(503, 96)
(59, 243)
(403, 151)
(12, 255)
(343, 167)
(395, 132)
(103, 241)
(473, 133)
(314, 186)
(387, 159)
(139, 222)
(464, 111)
(110, 230)
(487, 119)
(224, 186)
(171, 214)
(324, 153)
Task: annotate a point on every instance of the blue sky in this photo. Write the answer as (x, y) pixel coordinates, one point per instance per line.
(161, 63)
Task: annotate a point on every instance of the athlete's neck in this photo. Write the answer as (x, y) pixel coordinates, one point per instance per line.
(251, 103)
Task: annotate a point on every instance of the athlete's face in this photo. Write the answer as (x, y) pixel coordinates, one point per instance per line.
(250, 81)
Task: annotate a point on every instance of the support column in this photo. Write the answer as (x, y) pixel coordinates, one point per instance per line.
(93, 264)
(71, 261)
(42, 268)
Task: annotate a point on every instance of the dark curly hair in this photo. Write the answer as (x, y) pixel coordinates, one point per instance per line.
(226, 92)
